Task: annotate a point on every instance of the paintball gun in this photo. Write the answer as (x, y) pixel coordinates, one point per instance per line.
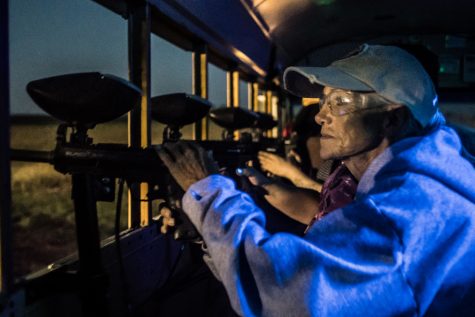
(80, 101)
(174, 112)
(83, 100)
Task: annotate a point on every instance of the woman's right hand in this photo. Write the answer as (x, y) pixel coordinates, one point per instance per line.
(276, 165)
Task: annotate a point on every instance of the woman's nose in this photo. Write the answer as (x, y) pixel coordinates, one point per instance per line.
(322, 116)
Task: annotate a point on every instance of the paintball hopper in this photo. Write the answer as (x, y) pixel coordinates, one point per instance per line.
(179, 109)
(84, 98)
(265, 121)
(239, 118)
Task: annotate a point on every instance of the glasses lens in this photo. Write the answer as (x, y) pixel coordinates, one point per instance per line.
(342, 102)
(339, 102)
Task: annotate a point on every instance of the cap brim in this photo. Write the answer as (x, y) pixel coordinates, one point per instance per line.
(308, 81)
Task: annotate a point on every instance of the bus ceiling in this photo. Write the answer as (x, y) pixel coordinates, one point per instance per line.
(262, 37)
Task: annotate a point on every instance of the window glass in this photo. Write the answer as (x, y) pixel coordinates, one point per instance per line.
(170, 73)
(460, 113)
(217, 96)
(243, 99)
(49, 38)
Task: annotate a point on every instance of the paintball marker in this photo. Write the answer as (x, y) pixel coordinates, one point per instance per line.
(81, 101)
(174, 111)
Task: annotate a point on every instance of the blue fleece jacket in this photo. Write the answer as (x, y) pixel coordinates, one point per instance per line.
(404, 247)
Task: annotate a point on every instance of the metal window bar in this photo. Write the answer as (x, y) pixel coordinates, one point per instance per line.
(6, 269)
(252, 93)
(200, 87)
(232, 89)
(139, 120)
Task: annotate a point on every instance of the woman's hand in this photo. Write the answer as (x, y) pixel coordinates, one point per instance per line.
(168, 221)
(187, 162)
(300, 204)
(277, 165)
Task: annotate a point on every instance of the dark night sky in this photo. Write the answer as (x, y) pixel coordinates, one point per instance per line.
(53, 37)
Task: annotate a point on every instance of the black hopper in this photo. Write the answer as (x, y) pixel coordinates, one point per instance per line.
(177, 110)
(84, 99)
(233, 119)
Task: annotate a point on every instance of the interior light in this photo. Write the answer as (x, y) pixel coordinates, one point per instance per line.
(310, 101)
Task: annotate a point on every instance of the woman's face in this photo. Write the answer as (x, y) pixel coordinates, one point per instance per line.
(347, 134)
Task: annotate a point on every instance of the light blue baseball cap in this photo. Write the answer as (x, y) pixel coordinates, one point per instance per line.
(387, 70)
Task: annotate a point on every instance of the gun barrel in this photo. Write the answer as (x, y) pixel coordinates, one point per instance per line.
(115, 160)
(32, 156)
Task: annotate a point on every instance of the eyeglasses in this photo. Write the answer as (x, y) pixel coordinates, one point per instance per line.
(343, 102)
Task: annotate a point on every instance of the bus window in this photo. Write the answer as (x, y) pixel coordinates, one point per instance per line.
(217, 96)
(48, 39)
(167, 59)
(243, 102)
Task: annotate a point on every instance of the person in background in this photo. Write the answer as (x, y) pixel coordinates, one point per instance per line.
(303, 160)
(404, 247)
(305, 135)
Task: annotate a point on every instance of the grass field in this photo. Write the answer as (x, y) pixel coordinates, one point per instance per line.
(42, 210)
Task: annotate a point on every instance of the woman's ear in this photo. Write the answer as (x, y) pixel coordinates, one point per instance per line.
(396, 120)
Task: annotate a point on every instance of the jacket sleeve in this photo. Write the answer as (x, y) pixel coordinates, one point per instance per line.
(344, 266)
